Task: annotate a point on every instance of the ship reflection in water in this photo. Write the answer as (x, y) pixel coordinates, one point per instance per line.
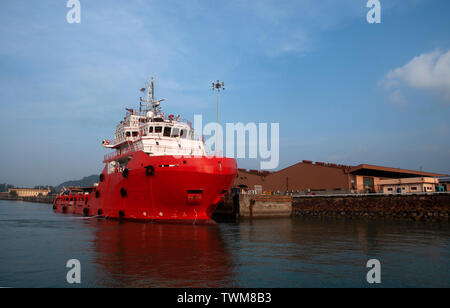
(161, 255)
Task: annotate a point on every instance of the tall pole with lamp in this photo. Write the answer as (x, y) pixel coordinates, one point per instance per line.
(218, 86)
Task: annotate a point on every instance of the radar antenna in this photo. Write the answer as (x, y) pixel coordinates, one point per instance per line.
(150, 103)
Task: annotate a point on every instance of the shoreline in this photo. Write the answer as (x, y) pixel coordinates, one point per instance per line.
(48, 200)
(428, 208)
(415, 207)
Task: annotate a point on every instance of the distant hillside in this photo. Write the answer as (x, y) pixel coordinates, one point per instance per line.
(84, 182)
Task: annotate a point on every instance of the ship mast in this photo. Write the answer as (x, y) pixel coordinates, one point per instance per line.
(150, 103)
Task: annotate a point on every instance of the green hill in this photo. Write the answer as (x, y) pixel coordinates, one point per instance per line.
(84, 182)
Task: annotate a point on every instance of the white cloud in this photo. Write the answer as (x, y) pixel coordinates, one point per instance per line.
(429, 71)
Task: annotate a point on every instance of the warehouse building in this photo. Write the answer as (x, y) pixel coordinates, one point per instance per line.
(409, 185)
(444, 184)
(308, 177)
(29, 192)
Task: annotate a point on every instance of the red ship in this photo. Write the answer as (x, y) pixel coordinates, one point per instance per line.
(159, 172)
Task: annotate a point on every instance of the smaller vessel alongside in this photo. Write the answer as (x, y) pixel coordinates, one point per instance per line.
(159, 171)
(73, 200)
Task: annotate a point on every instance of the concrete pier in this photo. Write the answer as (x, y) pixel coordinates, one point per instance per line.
(251, 206)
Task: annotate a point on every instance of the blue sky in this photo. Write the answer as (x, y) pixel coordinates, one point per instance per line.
(343, 90)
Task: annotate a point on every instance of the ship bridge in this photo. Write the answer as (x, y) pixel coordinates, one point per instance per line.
(151, 131)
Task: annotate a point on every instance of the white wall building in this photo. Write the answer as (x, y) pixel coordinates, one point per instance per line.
(408, 185)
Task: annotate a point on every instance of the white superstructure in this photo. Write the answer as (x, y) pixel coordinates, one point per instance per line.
(154, 133)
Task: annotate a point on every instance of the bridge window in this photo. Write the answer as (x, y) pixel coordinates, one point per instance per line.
(158, 129)
(175, 132)
(135, 134)
(167, 131)
(183, 133)
(150, 129)
(128, 134)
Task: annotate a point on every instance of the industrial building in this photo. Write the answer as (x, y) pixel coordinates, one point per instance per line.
(409, 185)
(444, 184)
(308, 177)
(29, 192)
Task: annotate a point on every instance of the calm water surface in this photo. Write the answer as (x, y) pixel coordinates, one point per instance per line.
(35, 245)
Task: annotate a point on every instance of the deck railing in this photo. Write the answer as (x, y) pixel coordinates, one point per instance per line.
(155, 136)
(165, 117)
(157, 149)
(119, 153)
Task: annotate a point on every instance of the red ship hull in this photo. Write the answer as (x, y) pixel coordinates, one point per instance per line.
(157, 189)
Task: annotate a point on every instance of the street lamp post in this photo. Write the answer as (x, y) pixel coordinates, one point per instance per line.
(218, 86)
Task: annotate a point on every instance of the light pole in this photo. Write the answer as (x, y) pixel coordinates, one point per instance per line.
(218, 86)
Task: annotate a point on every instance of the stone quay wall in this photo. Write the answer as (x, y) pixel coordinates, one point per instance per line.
(251, 206)
(433, 207)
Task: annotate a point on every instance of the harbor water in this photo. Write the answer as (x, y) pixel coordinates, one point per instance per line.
(35, 245)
